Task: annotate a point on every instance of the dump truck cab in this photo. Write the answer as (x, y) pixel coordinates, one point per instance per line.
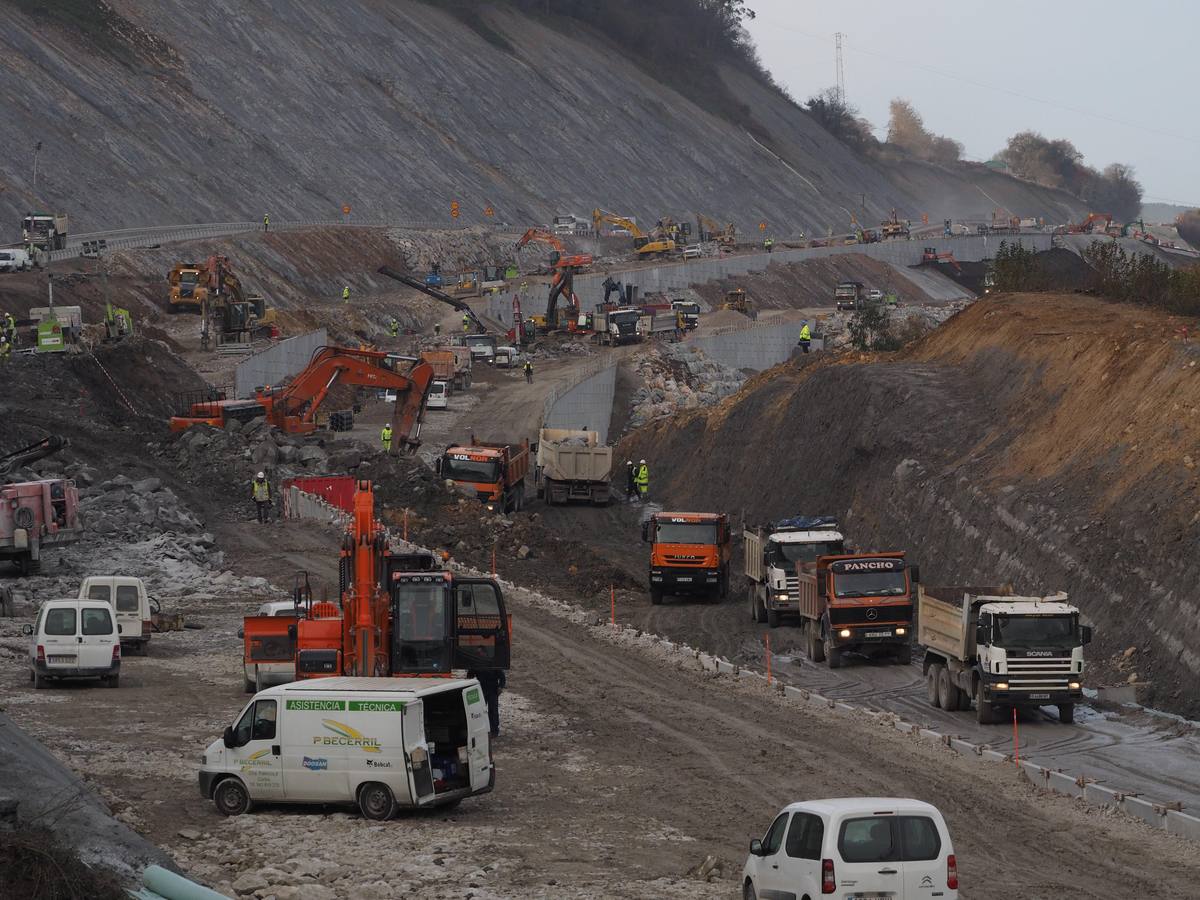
(494, 472)
(771, 556)
(689, 554)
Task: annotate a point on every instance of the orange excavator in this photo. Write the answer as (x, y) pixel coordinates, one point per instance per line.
(1088, 225)
(560, 259)
(399, 614)
(293, 408)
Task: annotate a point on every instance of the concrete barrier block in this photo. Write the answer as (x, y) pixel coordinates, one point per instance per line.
(1182, 824)
(963, 748)
(1100, 795)
(1063, 783)
(930, 735)
(1144, 810)
(994, 756)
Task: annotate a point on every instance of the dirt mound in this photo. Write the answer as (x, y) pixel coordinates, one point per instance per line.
(1047, 440)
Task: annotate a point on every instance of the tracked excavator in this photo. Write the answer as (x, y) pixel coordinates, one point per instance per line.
(560, 258)
(644, 245)
(710, 230)
(461, 305)
(293, 408)
(399, 614)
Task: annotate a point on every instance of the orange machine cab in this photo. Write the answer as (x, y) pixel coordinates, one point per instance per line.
(689, 554)
(495, 472)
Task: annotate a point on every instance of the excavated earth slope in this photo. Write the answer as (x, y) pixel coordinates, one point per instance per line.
(163, 112)
(1050, 441)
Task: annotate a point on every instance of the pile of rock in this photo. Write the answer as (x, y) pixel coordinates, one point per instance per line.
(677, 377)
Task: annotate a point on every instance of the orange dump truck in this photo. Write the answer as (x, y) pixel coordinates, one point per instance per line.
(689, 554)
(857, 602)
(494, 472)
(451, 365)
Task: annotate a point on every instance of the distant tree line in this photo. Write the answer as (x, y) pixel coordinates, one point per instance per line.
(1058, 164)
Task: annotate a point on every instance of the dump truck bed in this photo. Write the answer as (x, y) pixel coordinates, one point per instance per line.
(570, 455)
(946, 617)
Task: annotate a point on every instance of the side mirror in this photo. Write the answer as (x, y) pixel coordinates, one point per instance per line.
(227, 737)
(646, 532)
(437, 465)
(914, 572)
(27, 630)
(981, 635)
(1085, 634)
(756, 848)
(292, 632)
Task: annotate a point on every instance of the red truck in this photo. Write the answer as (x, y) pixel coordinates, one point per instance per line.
(860, 602)
(35, 515)
(495, 472)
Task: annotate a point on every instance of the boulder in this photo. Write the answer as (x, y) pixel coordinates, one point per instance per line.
(147, 486)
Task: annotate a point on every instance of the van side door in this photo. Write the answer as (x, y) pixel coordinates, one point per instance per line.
(770, 880)
(479, 757)
(801, 861)
(257, 754)
(924, 856)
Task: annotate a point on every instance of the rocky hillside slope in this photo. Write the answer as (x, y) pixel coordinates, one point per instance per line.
(1044, 440)
(164, 112)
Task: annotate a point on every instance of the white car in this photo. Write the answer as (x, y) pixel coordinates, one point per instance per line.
(74, 639)
(692, 251)
(875, 295)
(14, 260)
(439, 396)
(854, 847)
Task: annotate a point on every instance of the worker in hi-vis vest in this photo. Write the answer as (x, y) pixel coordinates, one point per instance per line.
(386, 437)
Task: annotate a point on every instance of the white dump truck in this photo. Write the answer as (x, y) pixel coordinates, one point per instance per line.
(573, 465)
(771, 555)
(1000, 651)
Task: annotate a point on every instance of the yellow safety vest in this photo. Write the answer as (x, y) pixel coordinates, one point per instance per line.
(386, 435)
(641, 475)
(262, 491)
(805, 334)
(346, 293)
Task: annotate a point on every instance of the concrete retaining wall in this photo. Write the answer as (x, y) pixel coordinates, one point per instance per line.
(280, 361)
(680, 275)
(587, 404)
(756, 348)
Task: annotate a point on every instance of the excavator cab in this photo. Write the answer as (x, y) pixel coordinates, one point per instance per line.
(441, 622)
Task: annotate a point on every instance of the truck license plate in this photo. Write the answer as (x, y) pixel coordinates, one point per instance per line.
(61, 659)
(878, 634)
(684, 578)
(1039, 696)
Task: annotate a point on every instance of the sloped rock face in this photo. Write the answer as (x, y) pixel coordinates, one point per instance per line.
(169, 114)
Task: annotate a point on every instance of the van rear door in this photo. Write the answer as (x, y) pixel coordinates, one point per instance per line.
(479, 756)
(97, 635)
(60, 636)
(416, 753)
(129, 611)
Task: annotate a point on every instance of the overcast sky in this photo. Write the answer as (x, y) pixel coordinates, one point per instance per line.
(1112, 77)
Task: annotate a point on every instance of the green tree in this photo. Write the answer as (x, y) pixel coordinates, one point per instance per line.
(870, 328)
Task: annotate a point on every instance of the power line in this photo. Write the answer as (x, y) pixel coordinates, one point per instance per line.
(1147, 129)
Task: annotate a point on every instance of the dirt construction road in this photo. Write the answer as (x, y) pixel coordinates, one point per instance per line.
(621, 767)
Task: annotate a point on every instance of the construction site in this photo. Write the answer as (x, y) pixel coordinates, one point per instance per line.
(545, 529)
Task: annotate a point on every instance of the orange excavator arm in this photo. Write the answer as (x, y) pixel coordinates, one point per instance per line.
(541, 236)
(294, 408)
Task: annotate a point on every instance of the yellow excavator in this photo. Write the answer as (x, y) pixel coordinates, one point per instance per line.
(644, 245)
(710, 230)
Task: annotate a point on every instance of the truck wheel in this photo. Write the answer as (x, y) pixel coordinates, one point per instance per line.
(231, 797)
(39, 681)
(984, 714)
(833, 655)
(947, 691)
(904, 655)
(818, 645)
(931, 683)
(760, 606)
(723, 592)
(112, 681)
(772, 618)
(656, 596)
(258, 680)
(752, 596)
(375, 801)
(248, 685)
(1066, 713)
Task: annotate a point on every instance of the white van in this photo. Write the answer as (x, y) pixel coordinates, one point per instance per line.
(13, 259)
(381, 743)
(506, 357)
(74, 639)
(128, 597)
(855, 847)
(439, 396)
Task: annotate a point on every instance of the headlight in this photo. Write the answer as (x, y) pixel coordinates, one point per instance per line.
(1001, 685)
(901, 631)
(781, 596)
(1074, 685)
(845, 632)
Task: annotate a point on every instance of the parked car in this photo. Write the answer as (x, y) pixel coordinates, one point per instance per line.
(506, 357)
(854, 847)
(692, 251)
(130, 602)
(74, 639)
(875, 295)
(15, 260)
(439, 396)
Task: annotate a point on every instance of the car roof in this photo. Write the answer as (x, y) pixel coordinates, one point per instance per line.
(276, 605)
(840, 806)
(76, 601)
(351, 685)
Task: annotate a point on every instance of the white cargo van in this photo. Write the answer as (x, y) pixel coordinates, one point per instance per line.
(13, 259)
(380, 743)
(439, 396)
(128, 597)
(854, 847)
(74, 639)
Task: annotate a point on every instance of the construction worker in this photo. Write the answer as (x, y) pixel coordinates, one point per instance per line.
(466, 323)
(260, 491)
(641, 478)
(266, 222)
(805, 336)
(386, 437)
(768, 243)
(437, 328)
(346, 294)
(394, 327)
(492, 681)
(5, 348)
(630, 483)
(528, 371)
(10, 328)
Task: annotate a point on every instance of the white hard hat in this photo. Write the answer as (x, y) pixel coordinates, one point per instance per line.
(641, 462)
(261, 475)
